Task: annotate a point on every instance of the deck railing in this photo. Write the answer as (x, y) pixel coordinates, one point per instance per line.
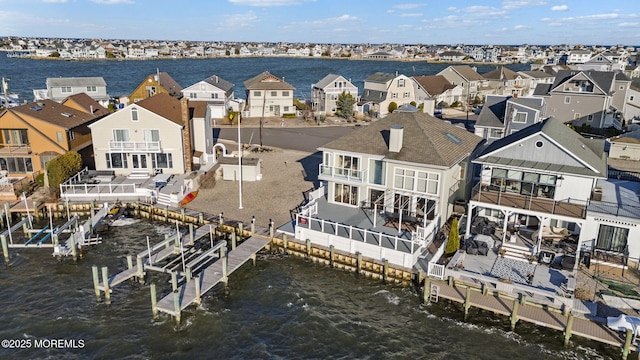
(134, 146)
(331, 172)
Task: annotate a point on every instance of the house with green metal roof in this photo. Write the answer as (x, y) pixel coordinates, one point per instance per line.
(540, 185)
(389, 186)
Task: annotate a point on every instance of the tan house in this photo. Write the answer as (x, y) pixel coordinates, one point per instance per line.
(158, 83)
(381, 89)
(33, 134)
(268, 95)
(155, 135)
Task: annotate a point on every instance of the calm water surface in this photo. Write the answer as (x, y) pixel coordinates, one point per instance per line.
(283, 308)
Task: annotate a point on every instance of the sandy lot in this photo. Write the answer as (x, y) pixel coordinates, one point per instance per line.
(286, 175)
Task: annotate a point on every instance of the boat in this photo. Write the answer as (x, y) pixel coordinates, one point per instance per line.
(8, 100)
(188, 198)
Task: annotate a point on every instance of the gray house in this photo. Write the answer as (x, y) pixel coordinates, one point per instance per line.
(594, 98)
(504, 115)
(59, 89)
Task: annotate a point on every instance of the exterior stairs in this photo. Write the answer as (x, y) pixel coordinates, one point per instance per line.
(515, 251)
(164, 199)
(138, 175)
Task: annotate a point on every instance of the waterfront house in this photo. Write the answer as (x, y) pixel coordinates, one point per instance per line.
(534, 77)
(438, 88)
(216, 92)
(154, 135)
(579, 56)
(632, 107)
(536, 186)
(268, 95)
(589, 98)
(61, 88)
(389, 187)
(381, 90)
(158, 83)
(324, 93)
(465, 76)
(33, 134)
(503, 115)
(505, 81)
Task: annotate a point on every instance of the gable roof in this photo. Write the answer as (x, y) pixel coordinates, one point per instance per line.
(426, 140)
(53, 113)
(380, 77)
(166, 81)
(219, 82)
(492, 113)
(266, 81)
(501, 73)
(536, 74)
(467, 72)
(434, 84)
(87, 103)
(589, 151)
(75, 81)
(602, 79)
(164, 105)
(327, 80)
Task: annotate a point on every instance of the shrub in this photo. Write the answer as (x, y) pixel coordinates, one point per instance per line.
(392, 106)
(62, 168)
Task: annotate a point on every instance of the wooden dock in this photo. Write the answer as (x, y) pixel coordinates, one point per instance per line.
(190, 291)
(519, 310)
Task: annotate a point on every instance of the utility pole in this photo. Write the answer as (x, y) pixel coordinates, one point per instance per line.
(264, 101)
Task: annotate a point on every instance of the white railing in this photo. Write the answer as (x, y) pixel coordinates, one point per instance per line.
(77, 177)
(435, 270)
(100, 191)
(133, 146)
(330, 172)
(317, 193)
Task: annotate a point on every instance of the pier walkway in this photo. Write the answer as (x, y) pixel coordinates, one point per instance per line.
(519, 309)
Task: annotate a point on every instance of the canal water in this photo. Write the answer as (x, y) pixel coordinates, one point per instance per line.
(284, 307)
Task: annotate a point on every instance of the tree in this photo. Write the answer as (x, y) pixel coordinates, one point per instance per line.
(392, 106)
(453, 242)
(344, 105)
(62, 168)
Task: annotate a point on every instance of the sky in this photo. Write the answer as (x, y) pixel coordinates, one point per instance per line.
(495, 22)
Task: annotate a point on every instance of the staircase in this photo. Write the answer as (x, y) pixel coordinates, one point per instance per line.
(137, 174)
(164, 199)
(514, 251)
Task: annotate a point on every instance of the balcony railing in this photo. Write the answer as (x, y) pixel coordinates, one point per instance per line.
(568, 207)
(15, 149)
(334, 173)
(134, 146)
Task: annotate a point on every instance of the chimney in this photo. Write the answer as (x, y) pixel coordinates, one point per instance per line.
(91, 109)
(395, 138)
(429, 106)
(186, 134)
(217, 79)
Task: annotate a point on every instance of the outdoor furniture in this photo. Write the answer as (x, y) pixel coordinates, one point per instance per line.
(568, 262)
(546, 257)
(476, 247)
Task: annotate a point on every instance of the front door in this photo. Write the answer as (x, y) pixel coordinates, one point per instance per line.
(139, 161)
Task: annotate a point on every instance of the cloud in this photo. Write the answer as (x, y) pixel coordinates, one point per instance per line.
(408, 6)
(520, 27)
(245, 20)
(560, 8)
(54, 1)
(411, 15)
(268, 3)
(628, 24)
(518, 4)
(112, 2)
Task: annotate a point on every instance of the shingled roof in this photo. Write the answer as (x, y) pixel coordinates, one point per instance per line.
(434, 84)
(164, 105)
(54, 113)
(426, 140)
(267, 81)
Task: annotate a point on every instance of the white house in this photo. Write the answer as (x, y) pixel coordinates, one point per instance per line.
(268, 95)
(215, 91)
(324, 93)
(59, 89)
(389, 187)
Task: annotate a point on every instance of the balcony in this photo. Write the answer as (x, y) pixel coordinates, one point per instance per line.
(330, 173)
(14, 149)
(573, 208)
(135, 146)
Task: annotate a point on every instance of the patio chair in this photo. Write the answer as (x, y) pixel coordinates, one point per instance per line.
(483, 248)
(472, 248)
(546, 257)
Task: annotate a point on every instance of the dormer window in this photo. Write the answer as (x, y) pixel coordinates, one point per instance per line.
(134, 114)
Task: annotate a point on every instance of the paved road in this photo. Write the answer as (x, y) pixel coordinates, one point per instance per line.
(299, 138)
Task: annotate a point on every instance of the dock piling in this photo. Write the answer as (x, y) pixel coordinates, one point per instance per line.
(221, 219)
(196, 284)
(5, 248)
(627, 344)
(105, 281)
(425, 290)
(284, 242)
(74, 248)
(271, 229)
(154, 301)
(514, 314)
(359, 262)
(385, 270)
(140, 269)
(233, 240)
(253, 225)
(191, 239)
(567, 329)
(332, 251)
(240, 231)
(96, 282)
(467, 303)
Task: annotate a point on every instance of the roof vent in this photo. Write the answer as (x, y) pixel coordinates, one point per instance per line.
(395, 138)
(66, 114)
(35, 108)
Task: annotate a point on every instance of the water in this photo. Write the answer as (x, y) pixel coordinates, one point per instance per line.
(284, 307)
(122, 77)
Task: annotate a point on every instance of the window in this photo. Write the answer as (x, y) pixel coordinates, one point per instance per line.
(120, 134)
(496, 133)
(274, 93)
(15, 136)
(394, 95)
(65, 89)
(347, 165)
(403, 179)
(193, 95)
(346, 194)
(611, 238)
(285, 93)
(214, 95)
(539, 144)
(151, 135)
(116, 160)
(162, 161)
(59, 136)
(92, 88)
(400, 82)
(286, 109)
(590, 117)
(257, 93)
(134, 114)
(631, 98)
(576, 116)
(377, 171)
(406, 95)
(520, 117)
(412, 180)
(71, 135)
(567, 99)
